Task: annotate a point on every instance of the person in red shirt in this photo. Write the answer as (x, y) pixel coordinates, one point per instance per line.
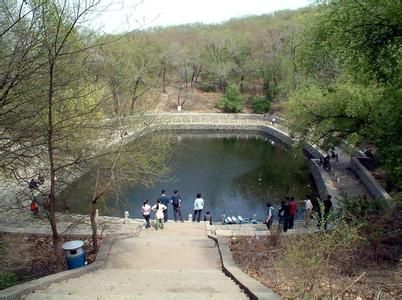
(292, 211)
(34, 208)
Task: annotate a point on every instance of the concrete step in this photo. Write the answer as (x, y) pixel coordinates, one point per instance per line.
(140, 296)
(168, 242)
(168, 278)
(118, 288)
(128, 254)
(131, 275)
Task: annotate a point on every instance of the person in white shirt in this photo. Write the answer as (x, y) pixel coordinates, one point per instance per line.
(198, 207)
(308, 208)
(159, 207)
(270, 215)
(146, 213)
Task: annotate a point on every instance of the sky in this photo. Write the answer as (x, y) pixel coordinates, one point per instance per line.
(126, 15)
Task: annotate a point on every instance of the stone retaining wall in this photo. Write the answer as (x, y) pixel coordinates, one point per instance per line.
(254, 289)
(376, 190)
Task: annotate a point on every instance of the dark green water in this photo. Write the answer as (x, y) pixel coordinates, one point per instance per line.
(236, 175)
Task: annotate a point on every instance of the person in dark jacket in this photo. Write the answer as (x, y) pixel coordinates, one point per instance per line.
(208, 218)
(176, 202)
(283, 214)
(326, 164)
(165, 201)
(327, 208)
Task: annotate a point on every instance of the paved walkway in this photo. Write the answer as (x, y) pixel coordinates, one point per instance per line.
(179, 262)
(345, 179)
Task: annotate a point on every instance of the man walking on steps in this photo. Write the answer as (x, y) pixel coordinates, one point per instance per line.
(176, 202)
(198, 207)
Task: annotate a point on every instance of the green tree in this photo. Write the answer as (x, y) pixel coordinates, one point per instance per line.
(232, 101)
(352, 62)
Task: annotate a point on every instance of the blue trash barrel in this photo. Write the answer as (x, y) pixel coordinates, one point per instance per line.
(74, 254)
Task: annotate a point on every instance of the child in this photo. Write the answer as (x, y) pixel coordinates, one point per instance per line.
(208, 218)
(34, 208)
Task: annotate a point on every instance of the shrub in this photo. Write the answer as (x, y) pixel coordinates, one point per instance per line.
(260, 105)
(232, 101)
(7, 279)
(355, 209)
(206, 86)
(379, 222)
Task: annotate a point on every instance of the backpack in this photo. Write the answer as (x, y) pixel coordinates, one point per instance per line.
(176, 201)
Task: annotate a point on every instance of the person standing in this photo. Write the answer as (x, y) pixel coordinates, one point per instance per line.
(308, 209)
(283, 215)
(326, 164)
(327, 208)
(198, 207)
(208, 218)
(146, 213)
(34, 208)
(159, 207)
(165, 201)
(270, 216)
(176, 202)
(292, 212)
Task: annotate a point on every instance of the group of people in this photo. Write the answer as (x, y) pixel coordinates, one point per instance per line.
(36, 182)
(288, 209)
(161, 209)
(325, 162)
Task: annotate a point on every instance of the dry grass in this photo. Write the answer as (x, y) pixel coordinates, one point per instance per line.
(258, 257)
(32, 256)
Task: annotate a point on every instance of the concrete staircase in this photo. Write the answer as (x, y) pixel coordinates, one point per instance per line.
(179, 262)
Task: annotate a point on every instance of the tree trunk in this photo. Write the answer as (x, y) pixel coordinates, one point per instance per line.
(164, 79)
(242, 83)
(95, 243)
(52, 195)
(116, 102)
(293, 56)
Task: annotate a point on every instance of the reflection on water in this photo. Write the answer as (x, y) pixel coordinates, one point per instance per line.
(236, 174)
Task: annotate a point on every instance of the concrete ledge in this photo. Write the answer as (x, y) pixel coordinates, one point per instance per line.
(16, 292)
(251, 287)
(375, 189)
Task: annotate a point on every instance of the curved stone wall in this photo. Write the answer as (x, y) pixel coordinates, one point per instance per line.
(369, 181)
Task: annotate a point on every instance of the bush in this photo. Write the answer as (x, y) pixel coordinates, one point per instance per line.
(232, 102)
(207, 86)
(260, 105)
(355, 209)
(7, 279)
(379, 222)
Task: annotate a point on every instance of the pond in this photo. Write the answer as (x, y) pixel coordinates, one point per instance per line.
(236, 174)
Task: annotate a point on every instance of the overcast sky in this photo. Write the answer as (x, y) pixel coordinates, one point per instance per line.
(126, 15)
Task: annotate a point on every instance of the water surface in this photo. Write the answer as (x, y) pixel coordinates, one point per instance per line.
(236, 174)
